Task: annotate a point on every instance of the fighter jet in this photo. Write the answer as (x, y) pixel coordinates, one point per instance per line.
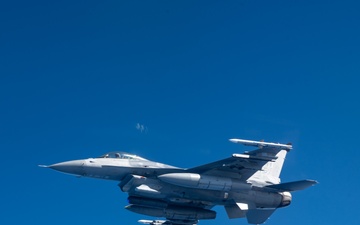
(247, 185)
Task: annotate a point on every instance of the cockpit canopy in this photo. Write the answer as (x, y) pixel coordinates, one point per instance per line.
(121, 155)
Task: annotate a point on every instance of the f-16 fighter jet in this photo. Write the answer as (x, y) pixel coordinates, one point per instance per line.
(247, 185)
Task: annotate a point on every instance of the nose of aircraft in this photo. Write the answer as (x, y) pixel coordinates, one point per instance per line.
(73, 167)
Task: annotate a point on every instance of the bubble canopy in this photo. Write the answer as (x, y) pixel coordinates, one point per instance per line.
(121, 155)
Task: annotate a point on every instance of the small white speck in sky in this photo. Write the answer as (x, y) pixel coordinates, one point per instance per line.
(141, 127)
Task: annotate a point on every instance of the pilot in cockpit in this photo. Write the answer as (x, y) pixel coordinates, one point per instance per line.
(117, 155)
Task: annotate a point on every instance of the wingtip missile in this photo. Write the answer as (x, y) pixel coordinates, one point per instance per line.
(261, 143)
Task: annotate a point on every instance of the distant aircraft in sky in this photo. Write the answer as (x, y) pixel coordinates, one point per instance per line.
(247, 185)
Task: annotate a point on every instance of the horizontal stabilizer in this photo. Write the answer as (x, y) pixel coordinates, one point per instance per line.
(259, 216)
(293, 186)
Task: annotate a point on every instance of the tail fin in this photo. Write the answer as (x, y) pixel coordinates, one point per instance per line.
(271, 169)
(270, 172)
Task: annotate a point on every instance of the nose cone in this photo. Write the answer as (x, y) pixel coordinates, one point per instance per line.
(75, 167)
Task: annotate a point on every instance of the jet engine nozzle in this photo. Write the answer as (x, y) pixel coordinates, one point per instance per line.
(286, 199)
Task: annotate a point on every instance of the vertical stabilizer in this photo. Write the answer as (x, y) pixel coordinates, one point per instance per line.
(273, 169)
(270, 172)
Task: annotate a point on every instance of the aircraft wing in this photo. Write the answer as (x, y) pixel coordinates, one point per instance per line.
(240, 166)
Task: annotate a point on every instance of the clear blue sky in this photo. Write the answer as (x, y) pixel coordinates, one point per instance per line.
(76, 77)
